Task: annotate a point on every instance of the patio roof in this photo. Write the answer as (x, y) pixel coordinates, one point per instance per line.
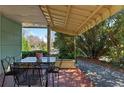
(67, 19)
(75, 19)
(28, 15)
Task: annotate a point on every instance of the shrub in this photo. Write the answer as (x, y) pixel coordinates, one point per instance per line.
(33, 53)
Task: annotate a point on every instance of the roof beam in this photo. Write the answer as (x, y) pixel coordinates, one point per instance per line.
(75, 20)
(62, 30)
(61, 11)
(93, 13)
(49, 14)
(81, 10)
(55, 19)
(57, 10)
(68, 13)
(43, 13)
(85, 8)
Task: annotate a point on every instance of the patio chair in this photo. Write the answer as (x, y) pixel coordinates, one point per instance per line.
(26, 78)
(20, 78)
(54, 69)
(37, 71)
(6, 68)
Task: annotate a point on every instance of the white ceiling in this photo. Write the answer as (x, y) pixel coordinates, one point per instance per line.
(28, 15)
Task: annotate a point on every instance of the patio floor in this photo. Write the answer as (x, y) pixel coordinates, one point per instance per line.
(68, 78)
(101, 76)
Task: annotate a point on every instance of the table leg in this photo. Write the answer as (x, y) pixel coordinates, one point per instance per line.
(47, 78)
(40, 76)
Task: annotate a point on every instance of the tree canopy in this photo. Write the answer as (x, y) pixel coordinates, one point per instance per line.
(25, 44)
(105, 39)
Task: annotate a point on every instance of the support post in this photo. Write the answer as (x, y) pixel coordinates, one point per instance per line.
(75, 49)
(48, 40)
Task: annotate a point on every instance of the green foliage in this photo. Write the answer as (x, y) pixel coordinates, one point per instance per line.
(65, 44)
(93, 43)
(25, 44)
(32, 53)
(105, 39)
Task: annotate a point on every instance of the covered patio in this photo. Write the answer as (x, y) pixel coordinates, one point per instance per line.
(68, 19)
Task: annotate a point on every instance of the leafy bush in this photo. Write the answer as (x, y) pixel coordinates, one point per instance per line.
(65, 44)
(32, 53)
(65, 54)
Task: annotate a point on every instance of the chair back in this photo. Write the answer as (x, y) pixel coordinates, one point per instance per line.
(5, 65)
(12, 60)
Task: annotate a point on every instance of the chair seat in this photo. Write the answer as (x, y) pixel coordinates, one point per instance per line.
(29, 81)
(10, 73)
(54, 70)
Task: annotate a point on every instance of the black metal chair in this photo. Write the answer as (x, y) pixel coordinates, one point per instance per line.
(25, 77)
(54, 70)
(39, 68)
(21, 78)
(6, 67)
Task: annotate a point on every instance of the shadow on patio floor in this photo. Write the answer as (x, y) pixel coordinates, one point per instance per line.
(67, 78)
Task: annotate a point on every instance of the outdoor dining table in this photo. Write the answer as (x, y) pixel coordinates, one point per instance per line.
(31, 61)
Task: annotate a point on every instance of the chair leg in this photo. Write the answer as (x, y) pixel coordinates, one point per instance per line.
(40, 77)
(14, 84)
(47, 76)
(53, 79)
(43, 78)
(14, 81)
(58, 80)
(3, 80)
(33, 72)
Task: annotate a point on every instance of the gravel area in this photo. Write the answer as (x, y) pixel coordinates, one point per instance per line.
(101, 76)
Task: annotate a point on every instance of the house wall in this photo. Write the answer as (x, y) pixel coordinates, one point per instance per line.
(0, 43)
(10, 34)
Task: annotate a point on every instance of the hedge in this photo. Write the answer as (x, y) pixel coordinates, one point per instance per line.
(33, 53)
